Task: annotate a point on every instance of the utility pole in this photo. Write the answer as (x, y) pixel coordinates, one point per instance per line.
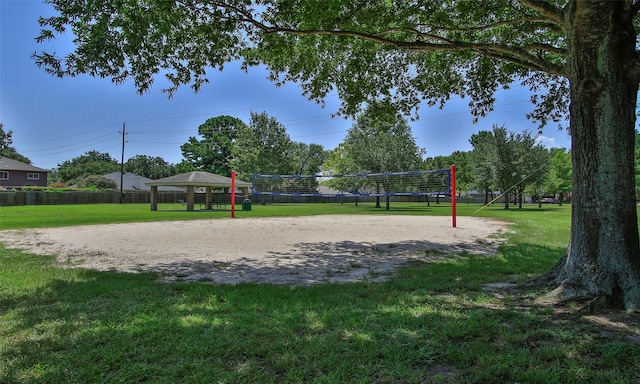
(122, 165)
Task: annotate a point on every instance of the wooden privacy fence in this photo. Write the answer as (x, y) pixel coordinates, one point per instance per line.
(12, 198)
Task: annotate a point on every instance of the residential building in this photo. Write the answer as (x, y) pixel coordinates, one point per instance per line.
(16, 174)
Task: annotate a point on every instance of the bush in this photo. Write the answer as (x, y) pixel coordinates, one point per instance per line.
(97, 182)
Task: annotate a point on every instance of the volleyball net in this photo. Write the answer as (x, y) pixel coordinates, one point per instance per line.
(439, 183)
(415, 183)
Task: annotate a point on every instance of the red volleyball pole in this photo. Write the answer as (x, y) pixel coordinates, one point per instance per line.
(233, 194)
(453, 194)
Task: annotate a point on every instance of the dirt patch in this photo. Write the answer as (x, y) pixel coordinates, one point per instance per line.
(281, 250)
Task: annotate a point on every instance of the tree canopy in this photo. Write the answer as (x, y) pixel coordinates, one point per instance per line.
(326, 46)
(308, 158)
(463, 161)
(483, 155)
(216, 152)
(508, 161)
(6, 146)
(213, 152)
(559, 180)
(500, 158)
(380, 140)
(96, 182)
(88, 164)
(577, 53)
(147, 166)
(262, 147)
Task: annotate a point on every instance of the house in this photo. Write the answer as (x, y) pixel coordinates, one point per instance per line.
(133, 182)
(16, 174)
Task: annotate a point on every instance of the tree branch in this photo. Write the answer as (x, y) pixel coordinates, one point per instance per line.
(519, 57)
(510, 54)
(546, 47)
(498, 24)
(635, 8)
(516, 55)
(553, 13)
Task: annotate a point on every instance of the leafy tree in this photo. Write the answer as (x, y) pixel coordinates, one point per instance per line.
(437, 162)
(338, 162)
(147, 166)
(185, 167)
(506, 156)
(464, 171)
(53, 178)
(576, 53)
(262, 147)
(91, 163)
(462, 160)
(380, 141)
(483, 160)
(464, 176)
(97, 182)
(308, 158)
(559, 180)
(6, 148)
(532, 163)
(213, 152)
(511, 161)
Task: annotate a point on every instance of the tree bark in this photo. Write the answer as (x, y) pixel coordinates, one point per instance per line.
(603, 257)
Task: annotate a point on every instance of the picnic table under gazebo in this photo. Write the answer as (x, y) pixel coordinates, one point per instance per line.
(193, 180)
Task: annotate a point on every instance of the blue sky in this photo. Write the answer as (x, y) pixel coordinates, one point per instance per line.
(54, 120)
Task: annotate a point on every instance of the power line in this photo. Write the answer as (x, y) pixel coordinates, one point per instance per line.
(72, 135)
(56, 162)
(292, 122)
(319, 134)
(82, 143)
(89, 143)
(223, 112)
(89, 146)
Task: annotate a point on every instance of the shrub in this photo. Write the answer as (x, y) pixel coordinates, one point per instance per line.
(96, 181)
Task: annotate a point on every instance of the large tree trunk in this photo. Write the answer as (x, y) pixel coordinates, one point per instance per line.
(603, 257)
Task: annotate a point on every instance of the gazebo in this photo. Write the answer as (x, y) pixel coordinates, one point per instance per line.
(193, 180)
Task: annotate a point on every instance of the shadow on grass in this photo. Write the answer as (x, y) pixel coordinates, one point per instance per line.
(513, 264)
(432, 323)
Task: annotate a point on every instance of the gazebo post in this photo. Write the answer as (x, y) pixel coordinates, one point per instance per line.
(208, 200)
(154, 198)
(190, 197)
(233, 194)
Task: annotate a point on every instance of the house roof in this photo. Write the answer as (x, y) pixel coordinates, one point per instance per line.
(7, 164)
(133, 182)
(198, 179)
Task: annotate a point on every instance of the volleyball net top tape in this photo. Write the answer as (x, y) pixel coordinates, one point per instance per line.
(413, 183)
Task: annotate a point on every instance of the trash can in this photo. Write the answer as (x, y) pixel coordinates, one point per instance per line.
(246, 205)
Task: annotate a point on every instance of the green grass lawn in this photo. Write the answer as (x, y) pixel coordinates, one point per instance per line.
(431, 323)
